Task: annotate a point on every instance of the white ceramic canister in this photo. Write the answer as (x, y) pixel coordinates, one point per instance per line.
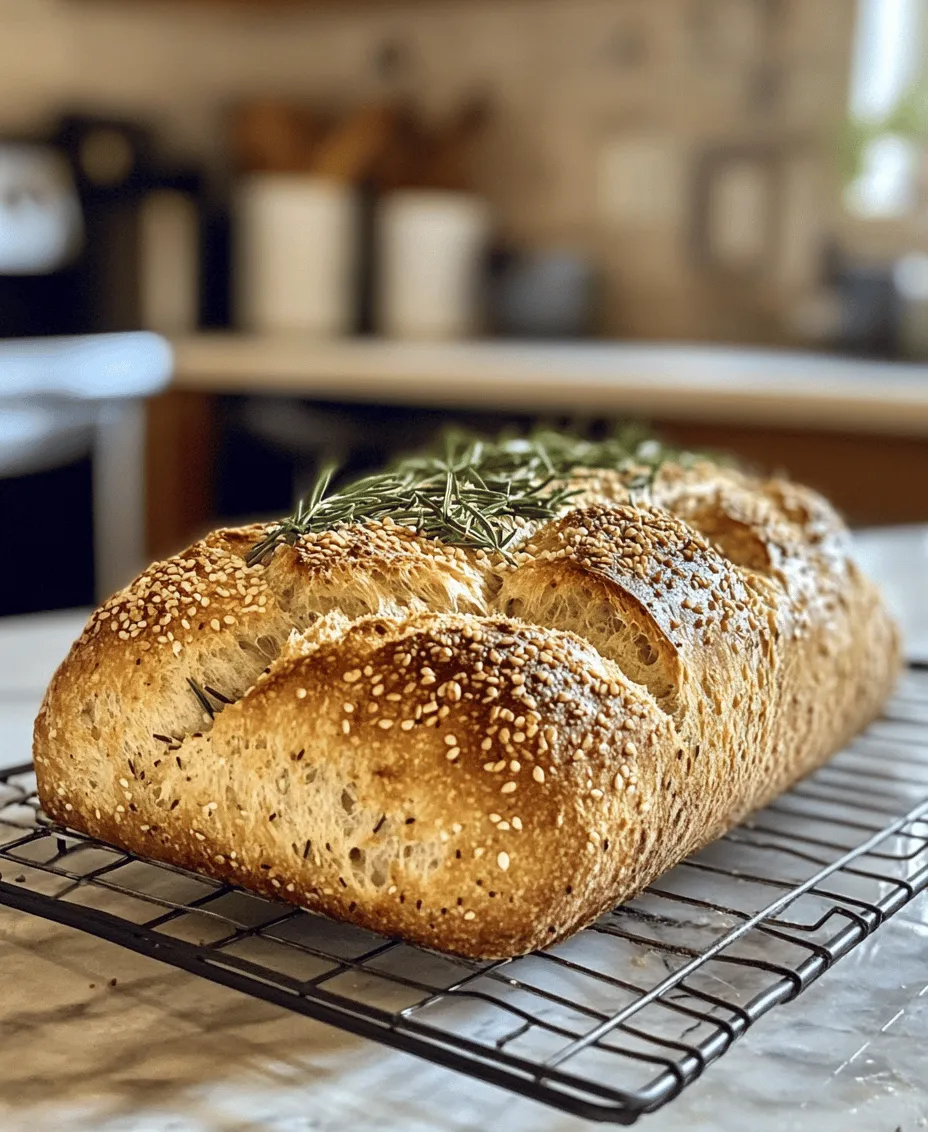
(296, 254)
(431, 260)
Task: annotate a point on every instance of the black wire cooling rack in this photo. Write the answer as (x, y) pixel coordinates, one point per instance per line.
(610, 1024)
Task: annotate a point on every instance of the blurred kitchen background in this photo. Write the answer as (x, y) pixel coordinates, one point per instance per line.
(357, 221)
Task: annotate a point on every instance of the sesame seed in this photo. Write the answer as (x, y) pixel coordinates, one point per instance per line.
(301, 693)
(504, 825)
(495, 818)
(407, 725)
(538, 774)
(507, 788)
(451, 741)
(353, 676)
(385, 724)
(452, 754)
(516, 823)
(470, 915)
(349, 708)
(346, 727)
(502, 859)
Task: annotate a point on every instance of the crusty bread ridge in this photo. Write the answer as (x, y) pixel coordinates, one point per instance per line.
(477, 755)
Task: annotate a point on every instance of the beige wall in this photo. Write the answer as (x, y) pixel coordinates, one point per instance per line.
(573, 81)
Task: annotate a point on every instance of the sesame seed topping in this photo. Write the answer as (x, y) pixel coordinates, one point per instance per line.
(385, 724)
(538, 774)
(502, 859)
(470, 915)
(452, 754)
(353, 676)
(507, 788)
(301, 693)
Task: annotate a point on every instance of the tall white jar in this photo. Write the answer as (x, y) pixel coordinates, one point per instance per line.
(431, 258)
(297, 251)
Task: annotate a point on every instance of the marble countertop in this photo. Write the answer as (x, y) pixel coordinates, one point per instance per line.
(97, 1039)
(685, 381)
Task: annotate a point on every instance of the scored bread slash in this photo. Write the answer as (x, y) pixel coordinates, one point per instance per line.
(474, 701)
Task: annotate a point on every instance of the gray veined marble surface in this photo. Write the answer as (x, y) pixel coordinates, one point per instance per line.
(163, 1051)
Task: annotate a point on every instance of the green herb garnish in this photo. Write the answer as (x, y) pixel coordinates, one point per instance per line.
(474, 492)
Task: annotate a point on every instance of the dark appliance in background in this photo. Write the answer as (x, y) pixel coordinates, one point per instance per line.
(155, 253)
(868, 306)
(154, 256)
(150, 232)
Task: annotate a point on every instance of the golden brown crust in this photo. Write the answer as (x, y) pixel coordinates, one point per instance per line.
(476, 756)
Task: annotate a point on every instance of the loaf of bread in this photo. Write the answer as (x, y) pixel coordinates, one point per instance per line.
(479, 749)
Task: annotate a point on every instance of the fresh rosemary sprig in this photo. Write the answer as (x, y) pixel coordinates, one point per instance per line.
(476, 492)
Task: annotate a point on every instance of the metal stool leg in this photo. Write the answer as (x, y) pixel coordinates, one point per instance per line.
(118, 494)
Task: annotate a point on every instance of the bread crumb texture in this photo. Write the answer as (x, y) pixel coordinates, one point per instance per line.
(473, 753)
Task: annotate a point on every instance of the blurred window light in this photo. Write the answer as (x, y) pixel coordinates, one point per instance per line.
(886, 184)
(886, 106)
(886, 56)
